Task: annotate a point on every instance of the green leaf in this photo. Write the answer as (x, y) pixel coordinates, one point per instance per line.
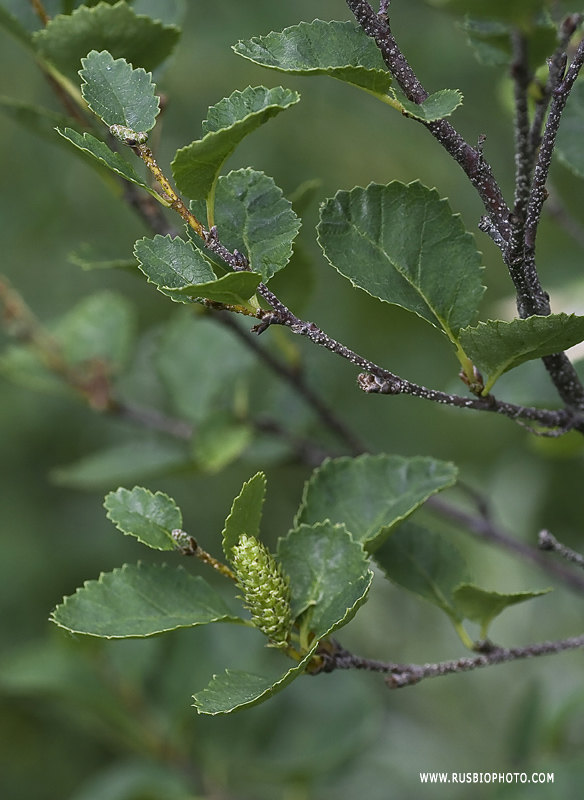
(117, 93)
(195, 167)
(339, 49)
(569, 140)
(436, 106)
(151, 518)
(232, 289)
(403, 245)
(102, 154)
(254, 217)
(36, 119)
(123, 463)
(372, 494)
(220, 441)
(329, 574)
(181, 271)
(141, 600)
(115, 28)
(246, 512)
(235, 690)
(496, 347)
(199, 363)
(425, 563)
(482, 607)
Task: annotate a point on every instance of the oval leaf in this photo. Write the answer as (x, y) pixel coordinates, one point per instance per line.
(117, 93)
(151, 518)
(371, 494)
(496, 347)
(195, 167)
(404, 245)
(181, 271)
(235, 690)
(254, 217)
(246, 512)
(172, 263)
(482, 607)
(67, 38)
(436, 106)
(425, 563)
(329, 574)
(141, 600)
(102, 153)
(339, 49)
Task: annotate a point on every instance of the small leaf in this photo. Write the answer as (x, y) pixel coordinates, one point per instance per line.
(141, 600)
(254, 217)
(482, 607)
(246, 513)
(181, 271)
(569, 140)
(199, 363)
(102, 153)
(403, 245)
(117, 93)
(172, 263)
(329, 574)
(151, 518)
(371, 494)
(341, 50)
(235, 690)
(220, 441)
(123, 463)
(66, 39)
(195, 168)
(232, 289)
(425, 563)
(496, 347)
(436, 106)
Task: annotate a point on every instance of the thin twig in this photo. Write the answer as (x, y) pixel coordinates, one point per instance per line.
(534, 300)
(547, 541)
(470, 159)
(515, 252)
(485, 530)
(333, 656)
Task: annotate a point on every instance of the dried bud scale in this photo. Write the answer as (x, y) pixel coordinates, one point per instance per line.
(266, 589)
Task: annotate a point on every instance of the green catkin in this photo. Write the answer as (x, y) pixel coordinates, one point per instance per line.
(265, 588)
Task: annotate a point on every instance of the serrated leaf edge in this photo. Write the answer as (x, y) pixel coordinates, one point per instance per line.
(153, 495)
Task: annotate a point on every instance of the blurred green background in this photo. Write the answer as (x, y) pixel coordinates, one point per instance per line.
(89, 720)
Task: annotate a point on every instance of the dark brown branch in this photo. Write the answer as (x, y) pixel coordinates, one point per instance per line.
(382, 381)
(469, 158)
(333, 656)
